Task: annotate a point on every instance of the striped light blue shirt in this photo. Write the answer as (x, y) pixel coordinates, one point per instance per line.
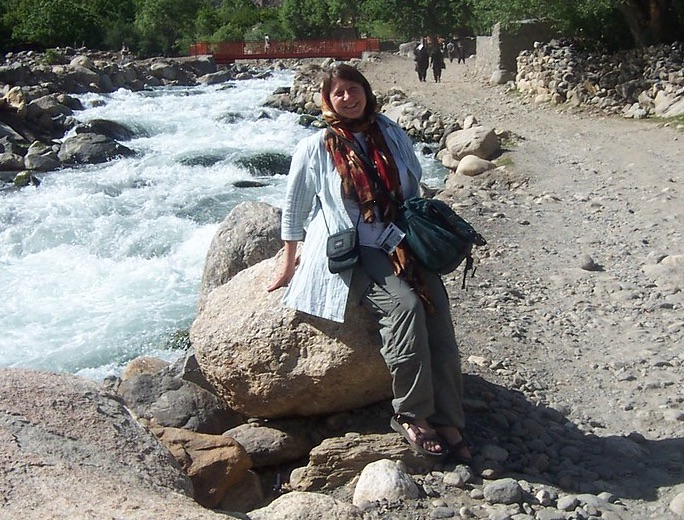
(314, 189)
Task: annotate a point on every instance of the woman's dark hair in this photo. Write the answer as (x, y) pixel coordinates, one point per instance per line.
(349, 73)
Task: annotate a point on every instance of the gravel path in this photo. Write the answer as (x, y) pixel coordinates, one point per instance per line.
(575, 315)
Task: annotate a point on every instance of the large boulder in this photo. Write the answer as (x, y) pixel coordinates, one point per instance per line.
(249, 234)
(69, 450)
(477, 140)
(269, 361)
(472, 165)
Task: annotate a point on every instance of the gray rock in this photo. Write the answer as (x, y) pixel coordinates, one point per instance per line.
(91, 149)
(337, 460)
(306, 506)
(567, 503)
(249, 234)
(472, 165)
(476, 140)
(73, 450)
(503, 491)
(269, 361)
(274, 444)
(677, 504)
(11, 162)
(165, 399)
(384, 481)
(587, 263)
(459, 476)
(111, 129)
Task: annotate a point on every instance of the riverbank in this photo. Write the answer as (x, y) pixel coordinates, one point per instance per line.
(570, 336)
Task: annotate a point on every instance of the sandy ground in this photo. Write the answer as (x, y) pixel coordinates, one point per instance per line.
(603, 346)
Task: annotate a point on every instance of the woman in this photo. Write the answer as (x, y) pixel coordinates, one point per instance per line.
(437, 62)
(330, 174)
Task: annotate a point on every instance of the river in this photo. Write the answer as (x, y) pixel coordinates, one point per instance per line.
(102, 263)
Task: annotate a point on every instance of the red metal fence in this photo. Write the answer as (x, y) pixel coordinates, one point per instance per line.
(228, 52)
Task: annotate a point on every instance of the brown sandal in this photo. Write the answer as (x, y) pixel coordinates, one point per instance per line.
(418, 444)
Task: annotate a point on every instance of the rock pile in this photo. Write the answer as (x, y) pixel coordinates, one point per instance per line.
(636, 83)
(464, 147)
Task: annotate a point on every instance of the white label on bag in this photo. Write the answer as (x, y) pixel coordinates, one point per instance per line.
(390, 238)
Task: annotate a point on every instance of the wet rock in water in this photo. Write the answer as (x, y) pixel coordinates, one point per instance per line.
(111, 129)
(91, 149)
(266, 164)
(205, 160)
(249, 184)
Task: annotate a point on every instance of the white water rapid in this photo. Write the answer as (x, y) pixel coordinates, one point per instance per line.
(101, 264)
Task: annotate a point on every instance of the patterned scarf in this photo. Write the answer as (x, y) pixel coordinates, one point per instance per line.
(353, 166)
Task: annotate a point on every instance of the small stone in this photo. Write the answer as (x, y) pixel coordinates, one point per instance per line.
(677, 504)
(442, 512)
(567, 503)
(587, 263)
(503, 491)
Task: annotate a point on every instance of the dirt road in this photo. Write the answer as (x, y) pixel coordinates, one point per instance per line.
(578, 299)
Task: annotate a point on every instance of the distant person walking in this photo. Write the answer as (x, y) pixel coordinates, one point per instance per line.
(451, 50)
(267, 44)
(437, 61)
(422, 58)
(460, 52)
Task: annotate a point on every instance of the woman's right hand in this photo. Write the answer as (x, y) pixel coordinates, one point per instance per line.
(287, 268)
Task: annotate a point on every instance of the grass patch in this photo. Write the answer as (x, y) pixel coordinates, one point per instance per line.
(677, 122)
(505, 160)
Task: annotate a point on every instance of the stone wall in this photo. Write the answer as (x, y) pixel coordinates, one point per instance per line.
(635, 83)
(500, 50)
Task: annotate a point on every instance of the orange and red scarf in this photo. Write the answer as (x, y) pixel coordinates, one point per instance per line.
(357, 182)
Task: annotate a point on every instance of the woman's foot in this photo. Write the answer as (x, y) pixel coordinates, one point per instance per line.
(420, 436)
(456, 444)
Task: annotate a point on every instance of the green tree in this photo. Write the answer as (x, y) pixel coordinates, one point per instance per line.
(306, 19)
(411, 19)
(5, 28)
(648, 21)
(116, 18)
(53, 22)
(236, 18)
(167, 26)
(49, 23)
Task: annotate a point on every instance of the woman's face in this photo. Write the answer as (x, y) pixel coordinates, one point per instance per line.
(348, 98)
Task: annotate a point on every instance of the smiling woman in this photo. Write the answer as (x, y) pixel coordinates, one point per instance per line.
(348, 98)
(353, 175)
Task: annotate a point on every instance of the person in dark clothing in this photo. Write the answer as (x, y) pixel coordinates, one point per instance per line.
(460, 52)
(422, 59)
(437, 61)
